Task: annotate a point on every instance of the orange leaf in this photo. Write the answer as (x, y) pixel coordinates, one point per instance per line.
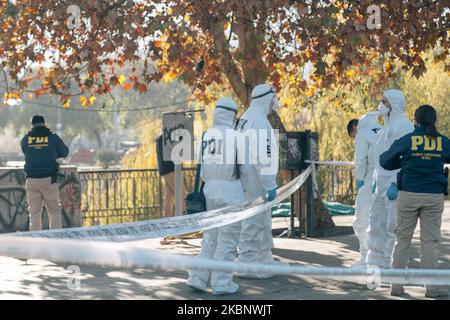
(127, 86)
(142, 88)
(40, 92)
(169, 76)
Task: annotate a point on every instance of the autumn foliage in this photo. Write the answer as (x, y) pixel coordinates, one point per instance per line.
(235, 43)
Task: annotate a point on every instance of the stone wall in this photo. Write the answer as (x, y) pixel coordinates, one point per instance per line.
(13, 200)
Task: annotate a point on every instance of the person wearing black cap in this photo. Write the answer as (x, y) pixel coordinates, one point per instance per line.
(42, 148)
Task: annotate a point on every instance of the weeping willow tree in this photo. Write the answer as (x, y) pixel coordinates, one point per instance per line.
(328, 112)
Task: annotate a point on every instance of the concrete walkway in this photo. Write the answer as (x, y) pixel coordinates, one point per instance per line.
(40, 279)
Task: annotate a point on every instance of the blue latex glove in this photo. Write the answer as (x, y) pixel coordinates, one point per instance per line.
(392, 192)
(271, 194)
(374, 186)
(359, 184)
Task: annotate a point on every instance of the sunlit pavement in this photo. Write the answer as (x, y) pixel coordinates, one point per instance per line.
(41, 279)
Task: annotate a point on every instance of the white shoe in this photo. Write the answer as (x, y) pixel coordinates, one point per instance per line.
(232, 288)
(196, 283)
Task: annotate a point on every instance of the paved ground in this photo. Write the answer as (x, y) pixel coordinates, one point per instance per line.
(40, 279)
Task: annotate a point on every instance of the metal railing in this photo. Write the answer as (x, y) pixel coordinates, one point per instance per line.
(116, 196)
(337, 183)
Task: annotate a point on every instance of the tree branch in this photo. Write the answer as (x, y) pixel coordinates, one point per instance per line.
(6, 80)
(230, 68)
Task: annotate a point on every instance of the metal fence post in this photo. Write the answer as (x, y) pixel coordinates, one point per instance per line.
(161, 212)
(300, 212)
(309, 208)
(309, 192)
(292, 210)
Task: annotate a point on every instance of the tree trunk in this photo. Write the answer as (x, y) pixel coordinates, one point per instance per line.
(252, 72)
(98, 138)
(323, 223)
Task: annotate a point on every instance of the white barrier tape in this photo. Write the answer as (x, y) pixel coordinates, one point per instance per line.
(127, 256)
(343, 163)
(332, 163)
(159, 228)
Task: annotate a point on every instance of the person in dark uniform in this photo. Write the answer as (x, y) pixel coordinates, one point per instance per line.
(41, 148)
(167, 170)
(422, 183)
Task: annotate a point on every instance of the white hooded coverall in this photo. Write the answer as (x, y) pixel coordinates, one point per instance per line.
(258, 173)
(383, 212)
(365, 141)
(221, 189)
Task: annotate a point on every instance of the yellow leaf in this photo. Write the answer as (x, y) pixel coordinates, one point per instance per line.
(83, 99)
(169, 76)
(350, 73)
(92, 100)
(121, 79)
(66, 105)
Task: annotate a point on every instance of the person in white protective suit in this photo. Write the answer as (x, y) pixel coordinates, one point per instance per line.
(258, 173)
(383, 212)
(365, 140)
(222, 188)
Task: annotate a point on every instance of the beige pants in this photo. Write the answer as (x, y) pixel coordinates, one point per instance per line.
(411, 207)
(40, 192)
(169, 204)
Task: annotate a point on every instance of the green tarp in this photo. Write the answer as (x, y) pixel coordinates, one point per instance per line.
(281, 210)
(334, 209)
(339, 209)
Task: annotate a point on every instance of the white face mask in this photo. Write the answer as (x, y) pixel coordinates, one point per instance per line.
(274, 104)
(382, 109)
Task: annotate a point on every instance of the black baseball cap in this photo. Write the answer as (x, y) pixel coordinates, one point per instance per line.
(37, 120)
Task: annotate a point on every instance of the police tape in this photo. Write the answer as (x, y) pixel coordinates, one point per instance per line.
(343, 163)
(126, 255)
(332, 163)
(172, 226)
(95, 252)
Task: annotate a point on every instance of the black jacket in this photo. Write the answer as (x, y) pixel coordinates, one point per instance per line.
(164, 167)
(41, 148)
